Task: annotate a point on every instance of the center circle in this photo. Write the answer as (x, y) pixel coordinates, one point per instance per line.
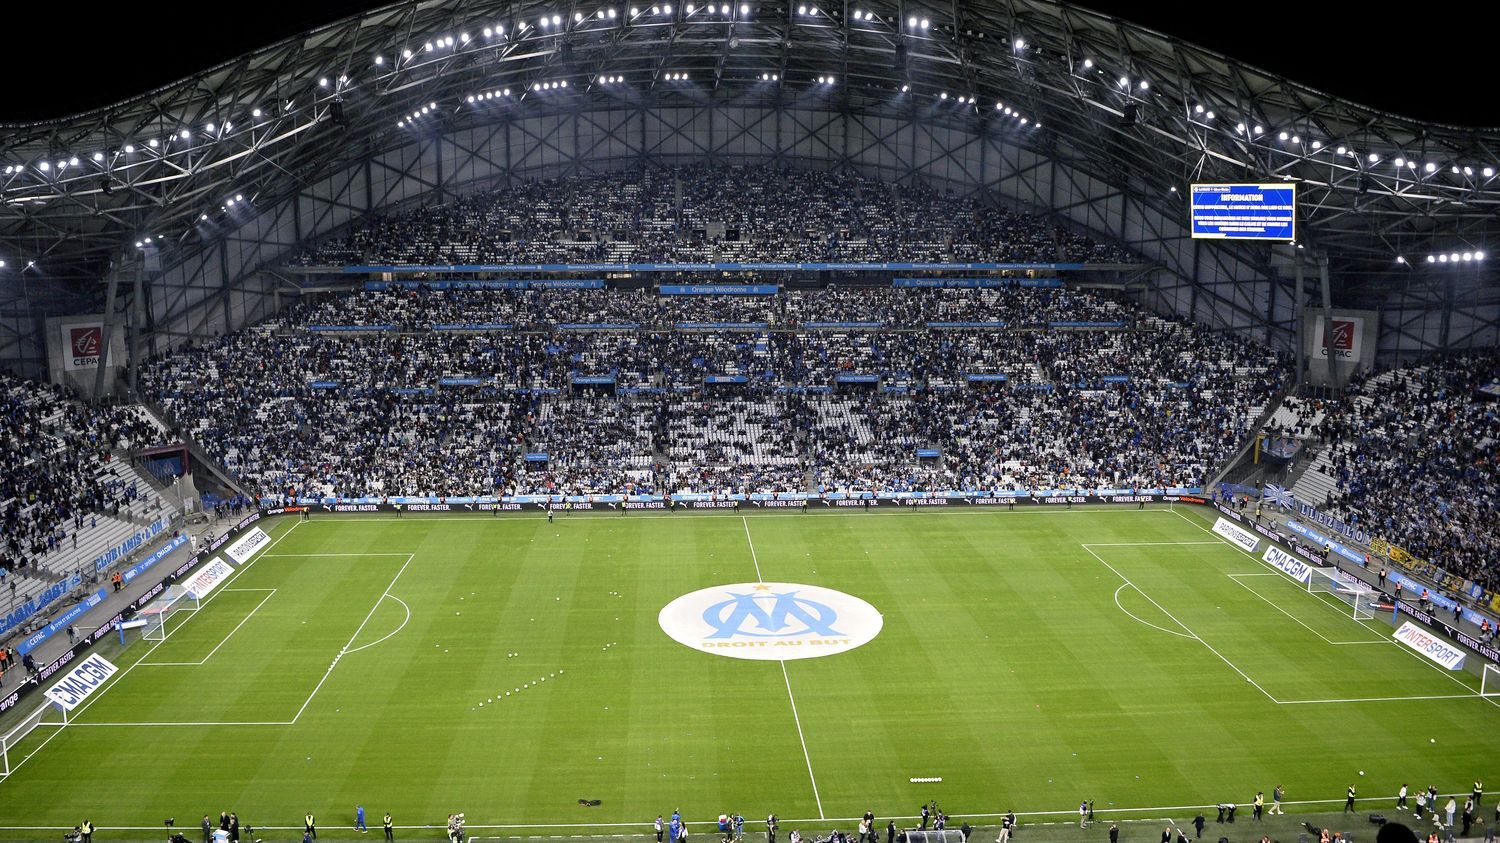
(770, 621)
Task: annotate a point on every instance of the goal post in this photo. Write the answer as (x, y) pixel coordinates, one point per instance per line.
(167, 612)
(1356, 597)
(934, 835)
(38, 725)
(1489, 681)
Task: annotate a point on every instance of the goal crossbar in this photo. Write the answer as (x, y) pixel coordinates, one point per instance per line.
(47, 717)
(1356, 596)
(164, 614)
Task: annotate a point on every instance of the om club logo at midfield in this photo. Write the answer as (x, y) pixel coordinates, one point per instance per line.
(770, 621)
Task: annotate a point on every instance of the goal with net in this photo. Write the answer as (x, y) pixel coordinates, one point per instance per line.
(27, 736)
(934, 835)
(1355, 597)
(167, 612)
(1489, 681)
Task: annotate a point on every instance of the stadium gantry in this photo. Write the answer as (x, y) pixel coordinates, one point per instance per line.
(190, 200)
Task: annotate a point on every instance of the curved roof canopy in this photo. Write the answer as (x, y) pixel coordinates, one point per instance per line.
(1148, 113)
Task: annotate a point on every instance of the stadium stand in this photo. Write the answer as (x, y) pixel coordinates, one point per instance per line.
(1137, 400)
(1409, 456)
(703, 213)
(64, 497)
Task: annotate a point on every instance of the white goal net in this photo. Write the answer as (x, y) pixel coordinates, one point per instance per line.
(167, 612)
(1355, 596)
(27, 736)
(1489, 681)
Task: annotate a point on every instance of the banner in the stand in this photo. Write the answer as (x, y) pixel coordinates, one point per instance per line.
(424, 269)
(719, 289)
(1349, 531)
(976, 283)
(534, 503)
(1322, 540)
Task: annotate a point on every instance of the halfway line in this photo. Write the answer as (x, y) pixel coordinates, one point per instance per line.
(796, 718)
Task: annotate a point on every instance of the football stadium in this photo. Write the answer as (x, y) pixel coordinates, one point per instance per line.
(796, 422)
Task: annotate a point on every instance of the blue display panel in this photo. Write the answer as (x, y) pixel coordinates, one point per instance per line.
(1244, 211)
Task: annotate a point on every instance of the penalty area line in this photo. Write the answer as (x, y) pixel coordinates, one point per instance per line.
(1185, 628)
(345, 649)
(392, 632)
(1132, 615)
(118, 677)
(237, 626)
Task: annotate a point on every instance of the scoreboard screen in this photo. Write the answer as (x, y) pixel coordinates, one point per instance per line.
(1244, 211)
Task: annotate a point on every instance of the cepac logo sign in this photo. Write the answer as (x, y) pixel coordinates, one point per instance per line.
(1339, 337)
(85, 345)
(770, 621)
(1342, 338)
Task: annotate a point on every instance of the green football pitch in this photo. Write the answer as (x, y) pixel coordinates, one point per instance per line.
(508, 668)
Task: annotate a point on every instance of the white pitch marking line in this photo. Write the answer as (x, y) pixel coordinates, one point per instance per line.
(115, 680)
(226, 638)
(1381, 699)
(1364, 624)
(1277, 606)
(1145, 544)
(1239, 549)
(1473, 692)
(1084, 509)
(393, 632)
(1184, 626)
(797, 718)
(1126, 585)
(290, 555)
(345, 649)
(751, 542)
(189, 723)
(646, 827)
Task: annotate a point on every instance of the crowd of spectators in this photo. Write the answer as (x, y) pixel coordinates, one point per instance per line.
(1135, 400)
(52, 449)
(1413, 457)
(419, 308)
(705, 214)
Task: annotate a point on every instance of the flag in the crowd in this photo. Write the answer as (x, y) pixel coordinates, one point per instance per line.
(1279, 495)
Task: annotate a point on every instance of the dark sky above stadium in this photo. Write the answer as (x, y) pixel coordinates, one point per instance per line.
(1429, 62)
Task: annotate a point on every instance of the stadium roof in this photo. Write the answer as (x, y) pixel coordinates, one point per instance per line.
(1140, 110)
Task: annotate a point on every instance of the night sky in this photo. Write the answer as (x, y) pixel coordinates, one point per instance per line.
(1433, 61)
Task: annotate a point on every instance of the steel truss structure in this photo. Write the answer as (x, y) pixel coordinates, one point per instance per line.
(1026, 102)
